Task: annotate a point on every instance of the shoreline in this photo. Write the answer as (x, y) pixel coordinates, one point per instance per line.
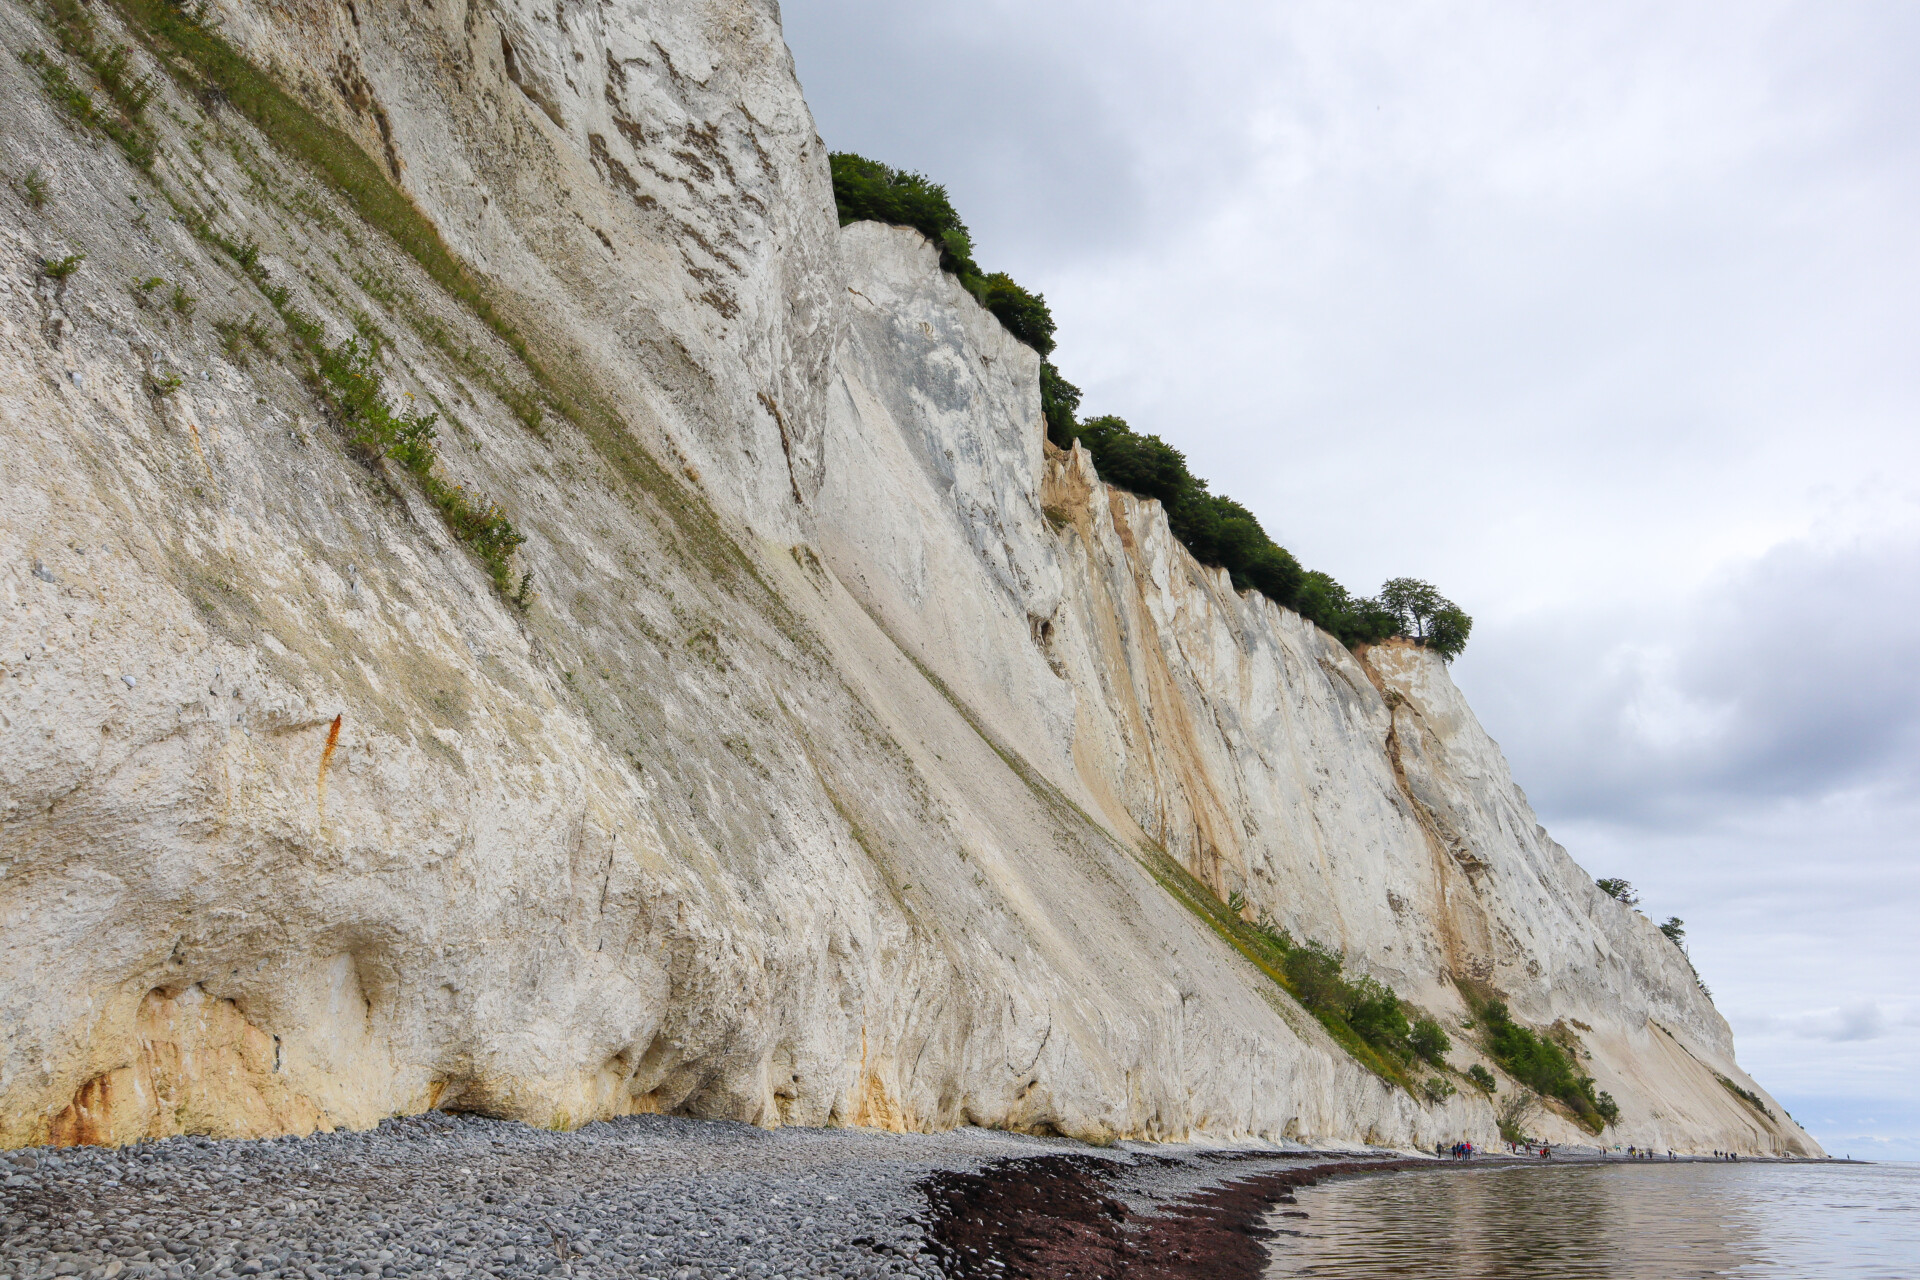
(459, 1197)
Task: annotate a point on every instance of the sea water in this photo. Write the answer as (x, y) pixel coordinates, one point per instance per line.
(1648, 1220)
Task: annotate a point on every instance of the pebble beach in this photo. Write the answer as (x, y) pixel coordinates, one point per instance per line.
(458, 1196)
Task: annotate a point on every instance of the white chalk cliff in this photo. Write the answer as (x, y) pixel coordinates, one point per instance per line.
(826, 778)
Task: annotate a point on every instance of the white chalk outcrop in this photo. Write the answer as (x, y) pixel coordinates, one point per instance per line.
(821, 781)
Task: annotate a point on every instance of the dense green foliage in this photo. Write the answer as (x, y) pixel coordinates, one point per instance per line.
(1024, 314)
(1481, 1077)
(1059, 402)
(1430, 1041)
(866, 190)
(1364, 1005)
(1215, 528)
(1543, 1066)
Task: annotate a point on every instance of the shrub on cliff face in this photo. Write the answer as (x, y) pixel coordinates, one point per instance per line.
(1515, 1112)
(1059, 402)
(1377, 1014)
(1620, 891)
(1366, 1005)
(1430, 1041)
(1314, 974)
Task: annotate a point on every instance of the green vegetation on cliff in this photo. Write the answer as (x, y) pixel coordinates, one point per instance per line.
(1216, 529)
(1377, 1028)
(1544, 1065)
(346, 377)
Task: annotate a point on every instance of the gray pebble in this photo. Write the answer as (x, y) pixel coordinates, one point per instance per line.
(467, 1198)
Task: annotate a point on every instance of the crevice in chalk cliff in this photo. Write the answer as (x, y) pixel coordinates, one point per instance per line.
(1465, 942)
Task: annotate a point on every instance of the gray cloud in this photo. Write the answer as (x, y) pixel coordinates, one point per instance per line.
(1004, 116)
(1787, 678)
(1860, 1020)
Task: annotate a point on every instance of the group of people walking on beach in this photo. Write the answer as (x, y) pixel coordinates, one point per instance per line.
(1467, 1151)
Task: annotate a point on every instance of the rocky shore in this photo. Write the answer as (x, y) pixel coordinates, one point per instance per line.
(647, 1196)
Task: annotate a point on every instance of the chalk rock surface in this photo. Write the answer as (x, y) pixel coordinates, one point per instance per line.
(837, 762)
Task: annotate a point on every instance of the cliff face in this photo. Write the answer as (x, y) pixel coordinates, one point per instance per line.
(821, 781)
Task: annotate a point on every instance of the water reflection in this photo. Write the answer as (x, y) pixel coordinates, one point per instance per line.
(1652, 1221)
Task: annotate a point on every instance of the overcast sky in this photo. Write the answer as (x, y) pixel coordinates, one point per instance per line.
(1603, 318)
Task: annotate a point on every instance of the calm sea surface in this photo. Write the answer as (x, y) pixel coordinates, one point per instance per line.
(1649, 1221)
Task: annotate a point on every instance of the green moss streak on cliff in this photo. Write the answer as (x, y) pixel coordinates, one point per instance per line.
(174, 37)
(201, 58)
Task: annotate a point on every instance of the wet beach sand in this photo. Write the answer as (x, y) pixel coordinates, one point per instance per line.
(458, 1196)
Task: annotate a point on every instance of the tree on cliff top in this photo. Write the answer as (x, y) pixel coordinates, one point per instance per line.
(1427, 616)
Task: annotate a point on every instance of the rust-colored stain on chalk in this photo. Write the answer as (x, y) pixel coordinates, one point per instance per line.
(203, 456)
(326, 758)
